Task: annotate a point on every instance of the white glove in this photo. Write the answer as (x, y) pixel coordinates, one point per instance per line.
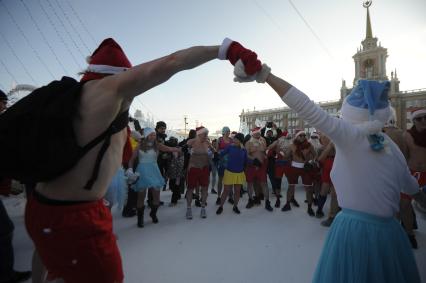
(242, 77)
(131, 176)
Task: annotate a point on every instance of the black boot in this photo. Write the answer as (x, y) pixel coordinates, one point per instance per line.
(236, 210)
(277, 203)
(140, 216)
(153, 213)
(250, 203)
(294, 202)
(286, 207)
(268, 206)
(310, 210)
(128, 212)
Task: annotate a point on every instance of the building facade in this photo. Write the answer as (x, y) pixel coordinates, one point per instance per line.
(370, 63)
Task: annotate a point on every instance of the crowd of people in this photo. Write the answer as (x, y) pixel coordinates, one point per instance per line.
(352, 158)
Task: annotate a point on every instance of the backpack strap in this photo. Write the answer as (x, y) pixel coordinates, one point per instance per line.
(119, 123)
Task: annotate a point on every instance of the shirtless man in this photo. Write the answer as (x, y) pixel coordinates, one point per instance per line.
(62, 215)
(415, 140)
(198, 169)
(282, 149)
(301, 152)
(257, 166)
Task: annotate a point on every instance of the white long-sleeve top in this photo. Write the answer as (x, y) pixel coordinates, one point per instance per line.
(364, 180)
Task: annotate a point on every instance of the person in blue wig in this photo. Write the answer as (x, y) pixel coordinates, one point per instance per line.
(365, 242)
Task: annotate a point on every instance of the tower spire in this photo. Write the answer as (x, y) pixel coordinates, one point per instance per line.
(368, 32)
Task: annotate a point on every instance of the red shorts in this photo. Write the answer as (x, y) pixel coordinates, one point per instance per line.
(281, 169)
(75, 241)
(198, 177)
(254, 173)
(327, 165)
(421, 179)
(294, 173)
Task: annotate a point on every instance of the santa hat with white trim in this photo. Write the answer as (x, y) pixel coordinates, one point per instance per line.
(256, 130)
(108, 59)
(201, 130)
(416, 112)
(298, 133)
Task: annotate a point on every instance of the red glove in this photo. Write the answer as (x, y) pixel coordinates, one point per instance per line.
(235, 51)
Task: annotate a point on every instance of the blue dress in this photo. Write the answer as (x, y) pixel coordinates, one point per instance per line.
(149, 174)
(117, 189)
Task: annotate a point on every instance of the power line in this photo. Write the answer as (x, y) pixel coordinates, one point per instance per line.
(66, 30)
(44, 37)
(81, 22)
(59, 35)
(72, 26)
(312, 30)
(17, 58)
(27, 40)
(8, 71)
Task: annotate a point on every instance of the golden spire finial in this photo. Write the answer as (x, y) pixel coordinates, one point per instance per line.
(369, 33)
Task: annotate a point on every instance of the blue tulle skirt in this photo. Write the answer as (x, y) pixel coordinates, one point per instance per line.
(117, 190)
(149, 177)
(361, 247)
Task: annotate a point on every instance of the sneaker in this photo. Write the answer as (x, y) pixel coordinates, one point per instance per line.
(250, 203)
(311, 211)
(413, 241)
(327, 222)
(213, 191)
(277, 203)
(203, 213)
(268, 206)
(219, 210)
(286, 207)
(188, 213)
(295, 203)
(231, 200)
(218, 201)
(236, 210)
(197, 203)
(319, 214)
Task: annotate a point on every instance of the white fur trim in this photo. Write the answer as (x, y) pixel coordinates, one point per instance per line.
(299, 133)
(417, 113)
(263, 74)
(105, 69)
(258, 131)
(148, 131)
(202, 131)
(356, 115)
(223, 49)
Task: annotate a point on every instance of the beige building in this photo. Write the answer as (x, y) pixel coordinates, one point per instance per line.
(370, 63)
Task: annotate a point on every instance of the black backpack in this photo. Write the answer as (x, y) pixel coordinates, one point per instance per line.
(37, 138)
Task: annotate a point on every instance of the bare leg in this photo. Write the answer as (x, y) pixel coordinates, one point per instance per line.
(265, 190)
(250, 190)
(155, 196)
(290, 193)
(237, 190)
(189, 197)
(334, 205)
(224, 194)
(219, 185)
(204, 194)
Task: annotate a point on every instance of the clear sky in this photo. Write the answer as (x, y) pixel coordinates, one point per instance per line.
(41, 40)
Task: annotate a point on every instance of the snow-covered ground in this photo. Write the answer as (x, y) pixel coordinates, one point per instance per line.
(255, 246)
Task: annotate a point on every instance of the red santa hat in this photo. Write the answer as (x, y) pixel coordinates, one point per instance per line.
(201, 130)
(298, 133)
(256, 130)
(416, 112)
(108, 59)
(283, 134)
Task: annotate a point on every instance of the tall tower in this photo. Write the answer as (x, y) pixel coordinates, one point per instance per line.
(370, 59)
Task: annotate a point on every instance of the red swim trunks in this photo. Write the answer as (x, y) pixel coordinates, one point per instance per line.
(256, 173)
(421, 179)
(282, 167)
(295, 172)
(327, 165)
(75, 241)
(198, 177)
